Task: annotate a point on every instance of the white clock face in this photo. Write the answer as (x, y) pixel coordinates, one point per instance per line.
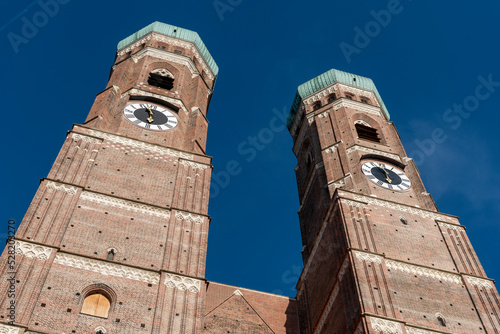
(386, 176)
(150, 116)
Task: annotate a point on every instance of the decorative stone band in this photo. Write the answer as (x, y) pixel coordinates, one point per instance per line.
(168, 56)
(332, 148)
(367, 257)
(345, 103)
(323, 114)
(190, 217)
(175, 102)
(340, 182)
(62, 187)
(336, 87)
(124, 204)
(385, 326)
(32, 251)
(141, 145)
(422, 271)
(194, 165)
(415, 330)
(182, 283)
(106, 268)
(77, 136)
(400, 207)
(373, 151)
(172, 41)
(452, 227)
(482, 283)
(353, 203)
(4, 329)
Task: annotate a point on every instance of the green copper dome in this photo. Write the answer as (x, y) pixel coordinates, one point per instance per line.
(169, 30)
(326, 79)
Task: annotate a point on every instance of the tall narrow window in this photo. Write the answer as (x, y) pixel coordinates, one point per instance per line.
(309, 160)
(96, 304)
(347, 96)
(111, 254)
(161, 78)
(367, 132)
(364, 100)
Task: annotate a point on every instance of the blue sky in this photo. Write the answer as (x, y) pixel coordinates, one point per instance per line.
(424, 56)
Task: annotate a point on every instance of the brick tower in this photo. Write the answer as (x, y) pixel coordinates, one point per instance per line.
(378, 256)
(115, 238)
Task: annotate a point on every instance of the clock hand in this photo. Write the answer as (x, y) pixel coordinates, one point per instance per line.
(150, 118)
(386, 174)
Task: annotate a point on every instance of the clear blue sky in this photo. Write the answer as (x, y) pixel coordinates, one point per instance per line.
(424, 58)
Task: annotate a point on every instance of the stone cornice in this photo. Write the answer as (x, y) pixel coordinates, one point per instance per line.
(168, 56)
(338, 87)
(172, 41)
(194, 165)
(5, 329)
(171, 100)
(141, 145)
(125, 204)
(70, 190)
(32, 250)
(360, 106)
(107, 268)
(372, 151)
(182, 283)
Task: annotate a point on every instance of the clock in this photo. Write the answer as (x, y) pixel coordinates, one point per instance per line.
(386, 176)
(150, 116)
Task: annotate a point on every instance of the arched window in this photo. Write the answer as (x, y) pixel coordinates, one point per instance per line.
(347, 96)
(316, 106)
(309, 160)
(161, 78)
(367, 132)
(96, 304)
(331, 98)
(441, 319)
(100, 330)
(111, 254)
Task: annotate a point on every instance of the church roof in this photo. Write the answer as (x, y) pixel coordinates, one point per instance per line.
(173, 31)
(326, 79)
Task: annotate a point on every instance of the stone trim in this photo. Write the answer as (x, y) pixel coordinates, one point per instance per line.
(168, 99)
(416, 330)
(400, 207)
(195, 165)
(182, 283)
(33, 251)
(190, 217)
(106, 268)
(340, 182)
(423, 271)
(479, 282)
(359, 106)
(368, 257)
(452, 227)
(4, 329)
(338, 87)
(124, 204)
(332, 149)
(92, 140)
(141, 145)
(386, 326)
(168, 56)
(61, 187)
(373, 151)
(172, 41)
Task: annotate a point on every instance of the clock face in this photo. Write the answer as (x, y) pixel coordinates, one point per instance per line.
(386, 176)
(150, 116)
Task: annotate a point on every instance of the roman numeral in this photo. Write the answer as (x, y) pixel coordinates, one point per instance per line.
(137, 121)
(371, 177)
(380, 183)
(373, 164)
(159, 127)
(390, 187)
(147, 126)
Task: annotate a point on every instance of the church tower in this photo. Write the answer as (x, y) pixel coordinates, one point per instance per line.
(115, 238)
(378, 255)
